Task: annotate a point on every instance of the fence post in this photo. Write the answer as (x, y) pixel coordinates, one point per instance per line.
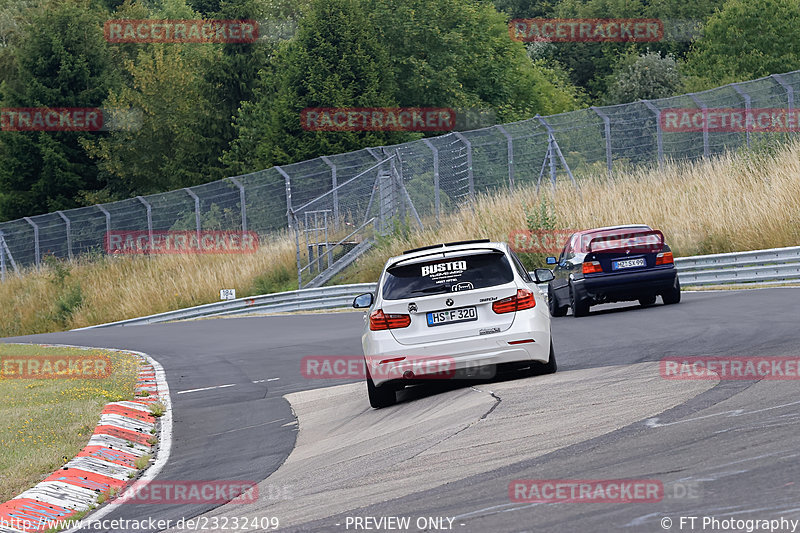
(788, 88)
(703, 107)
(436, 199)
(108, 225)
(470, 175)
(149, 220)
(37, 255)
(69, 233)
(550, 150)
(196, 199)
(2, 258)
(746, 98)
(404, 191)
(5, 252)
(659, 136)
(510, 142)
(607, 135)
(335, 194)
(241, 201)
(288, 180)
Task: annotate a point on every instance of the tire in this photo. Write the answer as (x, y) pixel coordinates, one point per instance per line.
(380, 397)
(550, 367)
(579, 308)
(673, 296)
(552, 303)
(647, 301)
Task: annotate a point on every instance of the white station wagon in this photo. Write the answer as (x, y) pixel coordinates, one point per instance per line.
(453, 310)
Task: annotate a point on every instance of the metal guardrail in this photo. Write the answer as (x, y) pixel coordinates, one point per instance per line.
(302, 300)
(777, 265)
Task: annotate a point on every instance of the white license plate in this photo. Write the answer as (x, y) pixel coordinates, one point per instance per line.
(628, 263)
(451, 316)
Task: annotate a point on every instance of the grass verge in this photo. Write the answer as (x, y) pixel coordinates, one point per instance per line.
(44, 422)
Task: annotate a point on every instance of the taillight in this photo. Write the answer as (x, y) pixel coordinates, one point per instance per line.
(664, 258)
(378, 320)
(524, 299)
(590, 267)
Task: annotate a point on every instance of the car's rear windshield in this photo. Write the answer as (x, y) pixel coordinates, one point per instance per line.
(450, 274)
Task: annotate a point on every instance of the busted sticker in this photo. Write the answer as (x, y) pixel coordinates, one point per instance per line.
(445, 272)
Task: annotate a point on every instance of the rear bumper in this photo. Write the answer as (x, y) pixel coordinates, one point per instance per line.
(627, 285)
(464, 358)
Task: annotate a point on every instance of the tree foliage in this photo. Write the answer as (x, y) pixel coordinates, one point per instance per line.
(748, 39)
(644, 77)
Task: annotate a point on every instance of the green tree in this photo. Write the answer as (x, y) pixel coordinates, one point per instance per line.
(457, 53)
(167, 149)
(644, 77)
(60, 60)
(591, 64)
(748, 39)
(336, 60)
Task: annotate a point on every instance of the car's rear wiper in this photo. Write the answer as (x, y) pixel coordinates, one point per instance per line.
(432, 290)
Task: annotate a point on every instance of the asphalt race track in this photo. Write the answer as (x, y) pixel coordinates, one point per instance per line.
(727, 449)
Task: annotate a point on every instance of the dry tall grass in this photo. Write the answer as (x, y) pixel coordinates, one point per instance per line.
(730, 203)
(734, 202)
(116, 288)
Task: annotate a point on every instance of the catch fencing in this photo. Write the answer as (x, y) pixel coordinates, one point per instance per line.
(338, 205)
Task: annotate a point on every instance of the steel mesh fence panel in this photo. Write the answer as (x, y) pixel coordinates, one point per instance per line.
(581, 139)
(220, 206)
(529, 144)
(436, 175)
(88, 229)
(52, 235)
(174, 210)
(419, 174)
(265, 200)
(127, 215)
(19, 237)
(454, 175)
(489, 159)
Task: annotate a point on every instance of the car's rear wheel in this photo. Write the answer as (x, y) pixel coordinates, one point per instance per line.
(550, 366)
(380, 397)
(646, 301)
(552, 303)
(673, 296)
(579, 307)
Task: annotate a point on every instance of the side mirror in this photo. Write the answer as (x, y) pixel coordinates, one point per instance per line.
(551, 260)
(363, 301)
(543, 275)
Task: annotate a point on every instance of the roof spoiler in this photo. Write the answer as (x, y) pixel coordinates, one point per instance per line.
(633, 241)
(443, 245)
